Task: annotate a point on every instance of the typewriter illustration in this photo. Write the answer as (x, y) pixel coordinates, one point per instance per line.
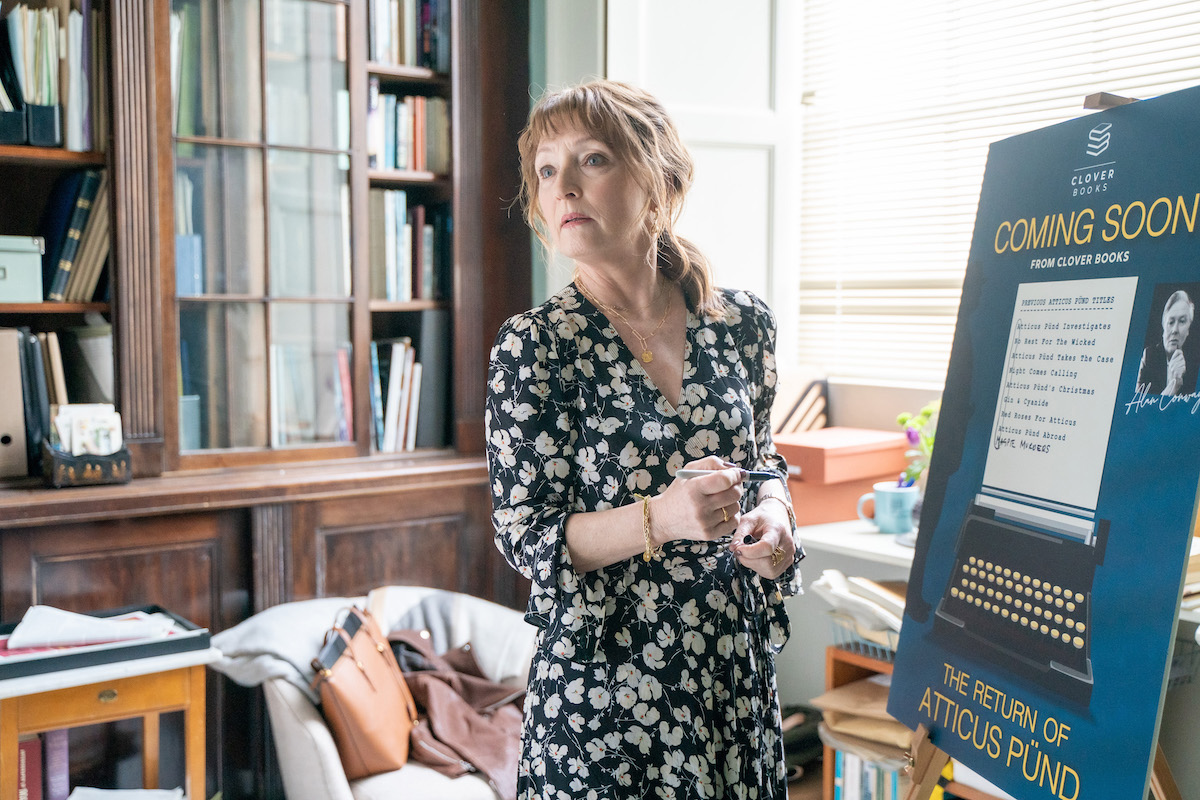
(1023, 595)
(1020, 591)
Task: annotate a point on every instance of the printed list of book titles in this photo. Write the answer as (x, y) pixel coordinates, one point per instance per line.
(1056, 397)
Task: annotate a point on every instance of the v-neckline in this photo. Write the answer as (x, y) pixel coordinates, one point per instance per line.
(632, 359)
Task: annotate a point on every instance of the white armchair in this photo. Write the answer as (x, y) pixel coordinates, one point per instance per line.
(500, 638)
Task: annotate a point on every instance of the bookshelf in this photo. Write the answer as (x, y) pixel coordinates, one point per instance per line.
(220, 532)
(844, 666)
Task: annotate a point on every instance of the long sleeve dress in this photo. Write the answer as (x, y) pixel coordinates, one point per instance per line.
(651, 679)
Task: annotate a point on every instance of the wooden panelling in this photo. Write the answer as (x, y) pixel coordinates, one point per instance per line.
(493, 273)
(196, 565)
(422, 552)
(135, 198)
(422, 536)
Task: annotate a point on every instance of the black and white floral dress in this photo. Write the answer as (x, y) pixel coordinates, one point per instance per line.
(652, 679)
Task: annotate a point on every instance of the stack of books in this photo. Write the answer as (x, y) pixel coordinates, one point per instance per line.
(76, 227)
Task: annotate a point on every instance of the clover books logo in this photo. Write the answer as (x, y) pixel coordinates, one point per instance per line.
(1098, 138)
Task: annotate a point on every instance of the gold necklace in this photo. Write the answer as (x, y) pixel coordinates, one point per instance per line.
(647, 354)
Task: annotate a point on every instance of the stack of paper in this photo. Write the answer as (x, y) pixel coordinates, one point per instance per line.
(46, 626)
(872, 605)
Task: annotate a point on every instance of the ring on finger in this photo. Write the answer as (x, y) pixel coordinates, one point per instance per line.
(776, 556)
(724, 515)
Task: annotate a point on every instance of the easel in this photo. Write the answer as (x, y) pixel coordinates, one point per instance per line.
(926, 763)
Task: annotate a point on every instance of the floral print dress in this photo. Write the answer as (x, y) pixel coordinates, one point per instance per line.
(651, 679)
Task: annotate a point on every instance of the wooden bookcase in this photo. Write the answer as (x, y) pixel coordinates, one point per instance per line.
(844, 666)
(219, 533)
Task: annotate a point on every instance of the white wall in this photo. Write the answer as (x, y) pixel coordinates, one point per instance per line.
(730, 80)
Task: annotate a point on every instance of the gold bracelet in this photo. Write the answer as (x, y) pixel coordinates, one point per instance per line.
(651, 550)
(791, 514)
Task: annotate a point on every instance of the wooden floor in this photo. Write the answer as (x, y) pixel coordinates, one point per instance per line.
(809, 785)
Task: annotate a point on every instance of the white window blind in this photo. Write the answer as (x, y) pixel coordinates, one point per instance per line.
(901, 101)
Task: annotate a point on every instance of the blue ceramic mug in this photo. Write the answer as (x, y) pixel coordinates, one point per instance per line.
(893, 507)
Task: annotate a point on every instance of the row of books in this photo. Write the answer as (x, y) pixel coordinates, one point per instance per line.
(52, 87)
(410, 391)
(408, 248)
(413, 33)
(407, 132)
(76, 227)
(44, 371)
(855, 778)
(311, 400)
(43, 766)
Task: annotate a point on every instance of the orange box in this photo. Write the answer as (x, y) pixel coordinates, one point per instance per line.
(835, 455)
(836, 467)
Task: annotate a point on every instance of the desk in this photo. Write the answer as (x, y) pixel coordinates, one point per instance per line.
(856, 548)
(145, 687)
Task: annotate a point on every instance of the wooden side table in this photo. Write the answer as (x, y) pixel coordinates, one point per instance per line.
(146, 688)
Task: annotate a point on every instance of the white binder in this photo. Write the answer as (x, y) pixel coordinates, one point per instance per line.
(14, 459)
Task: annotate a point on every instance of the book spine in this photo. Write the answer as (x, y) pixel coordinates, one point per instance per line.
(79, 217)
(56, 764)
(376, 398)
(29, 768)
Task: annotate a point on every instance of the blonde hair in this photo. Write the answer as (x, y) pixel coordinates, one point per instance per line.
(635, 125)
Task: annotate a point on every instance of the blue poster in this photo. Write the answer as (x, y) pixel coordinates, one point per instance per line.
(1062, 494)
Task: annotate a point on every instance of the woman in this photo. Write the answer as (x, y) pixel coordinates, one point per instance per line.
(660, 599)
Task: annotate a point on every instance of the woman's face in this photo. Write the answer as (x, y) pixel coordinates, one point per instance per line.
(590, 203)
(1176, 322)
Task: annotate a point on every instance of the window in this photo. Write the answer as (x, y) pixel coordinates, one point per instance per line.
(262, 247)
(901, 101)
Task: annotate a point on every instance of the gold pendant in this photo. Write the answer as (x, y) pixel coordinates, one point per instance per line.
(647, 356)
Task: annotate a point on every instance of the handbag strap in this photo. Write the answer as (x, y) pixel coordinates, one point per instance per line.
(368, 626)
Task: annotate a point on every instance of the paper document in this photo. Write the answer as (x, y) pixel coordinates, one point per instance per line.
(45, 626)
(88, 793)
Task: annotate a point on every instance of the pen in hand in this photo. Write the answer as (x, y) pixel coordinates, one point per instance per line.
(748, 475)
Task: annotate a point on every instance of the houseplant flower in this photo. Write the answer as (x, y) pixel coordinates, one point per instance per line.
(920, 429)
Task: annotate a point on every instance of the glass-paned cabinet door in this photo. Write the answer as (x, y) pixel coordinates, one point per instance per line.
(262, 223)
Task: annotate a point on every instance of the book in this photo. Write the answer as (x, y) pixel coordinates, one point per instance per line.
(56, 764)
(376, 398)
(414, 402)
(417, 255)
(82, 209)
(93, 249)
(37, 408)
(41, 337)
(75, 80)
(29, 767)
(56, 221)
(87, 355)
(395, 382)
(375, 124)
(434, 355)
(57, 376)
(344, 382)
(377, 243)
(405, 399)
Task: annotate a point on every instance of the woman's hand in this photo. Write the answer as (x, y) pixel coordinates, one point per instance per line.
(700, 509)
(763, 540)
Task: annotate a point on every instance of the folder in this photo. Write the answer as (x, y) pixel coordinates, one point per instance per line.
(14, 457)
(44, 125)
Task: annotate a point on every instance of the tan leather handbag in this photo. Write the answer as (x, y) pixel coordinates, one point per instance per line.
(365, 701)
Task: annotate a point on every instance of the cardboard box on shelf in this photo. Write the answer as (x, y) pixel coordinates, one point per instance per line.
(21, 269)
(836, 466)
